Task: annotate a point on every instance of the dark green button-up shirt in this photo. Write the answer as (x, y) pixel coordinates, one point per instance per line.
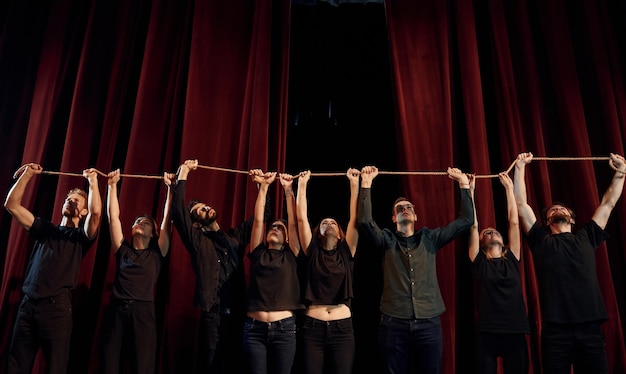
(410, 286)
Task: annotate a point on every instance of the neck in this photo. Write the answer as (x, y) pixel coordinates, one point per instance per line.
(70, 222)
(330, 243)
(211, 227)
(558, 228)
(405, 229)
(140, 242)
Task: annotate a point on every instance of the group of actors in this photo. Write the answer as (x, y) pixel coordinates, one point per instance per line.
(296, 269)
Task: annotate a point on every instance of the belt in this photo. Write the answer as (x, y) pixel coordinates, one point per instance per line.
(43, 300)
(219, 309)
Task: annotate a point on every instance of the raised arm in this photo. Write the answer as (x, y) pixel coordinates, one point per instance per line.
(292, 225)
(526, 214)
(94, 204)
(166, 224)
(613, 192)
(352, 232)
(304, 226)
(113, 210)
(263, 180)
(474, 238)
(185, 168)
(13, 202)
(515, 240)
(459, 176)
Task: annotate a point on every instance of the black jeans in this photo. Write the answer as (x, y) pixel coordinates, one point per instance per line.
(511, 347)
(327, 345)
(46, 324)
(579, 344)
(219, 346)
(133, 322)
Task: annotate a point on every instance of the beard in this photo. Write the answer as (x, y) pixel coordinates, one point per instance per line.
(208, 220)
(560, 218)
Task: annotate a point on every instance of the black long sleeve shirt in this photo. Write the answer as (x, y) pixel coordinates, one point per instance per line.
(216, 256)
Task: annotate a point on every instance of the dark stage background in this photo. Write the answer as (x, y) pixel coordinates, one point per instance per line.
(408, 85)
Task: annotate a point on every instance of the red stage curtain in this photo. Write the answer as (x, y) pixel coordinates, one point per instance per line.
(143, 85)
(476, 83)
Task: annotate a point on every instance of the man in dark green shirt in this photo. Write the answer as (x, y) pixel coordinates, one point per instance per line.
(411, 302)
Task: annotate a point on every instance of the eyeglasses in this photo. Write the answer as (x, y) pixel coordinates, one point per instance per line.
(203, 208)
(402, 208)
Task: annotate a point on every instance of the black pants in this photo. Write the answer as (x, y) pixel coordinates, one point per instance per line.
(129, 322)
(219, 345)
(581, 345)
(511, 347)
(46, 324)
(327, 346)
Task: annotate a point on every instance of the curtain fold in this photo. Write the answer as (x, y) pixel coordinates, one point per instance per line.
(144, 85)
(512, 77)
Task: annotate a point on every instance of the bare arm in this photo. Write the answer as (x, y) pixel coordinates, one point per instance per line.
(292, 226)
(113, 210)
(526, 214)
(263, 180)
(94, 204)
(166, 223)
(473, 240)
(515, 239)
(352, 232)
(612, 194)
(304, 226)
(13, 202)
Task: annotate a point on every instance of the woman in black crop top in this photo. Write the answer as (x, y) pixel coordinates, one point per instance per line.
(327, 331)
(502, 321)
(273, 292)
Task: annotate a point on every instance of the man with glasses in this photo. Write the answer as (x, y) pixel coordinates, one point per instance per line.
(217, 261)
(571, 301)
(410, 338)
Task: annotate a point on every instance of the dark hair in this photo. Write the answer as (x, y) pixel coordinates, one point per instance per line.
(544, 211)
(284, 222)
(192, 203)
(156, 230)
(400, 199)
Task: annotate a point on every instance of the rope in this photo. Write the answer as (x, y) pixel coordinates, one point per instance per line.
(335, 174)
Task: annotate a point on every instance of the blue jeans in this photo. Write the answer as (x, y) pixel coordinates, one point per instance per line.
(327, 344)
(270, 347)
(45, 323)
(579, 344)
(410, 345)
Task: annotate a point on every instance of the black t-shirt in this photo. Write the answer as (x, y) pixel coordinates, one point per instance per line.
(274, 284)
(55, 260)
(569, 291)
(137, 272)
(329, 275)
(499, 297)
